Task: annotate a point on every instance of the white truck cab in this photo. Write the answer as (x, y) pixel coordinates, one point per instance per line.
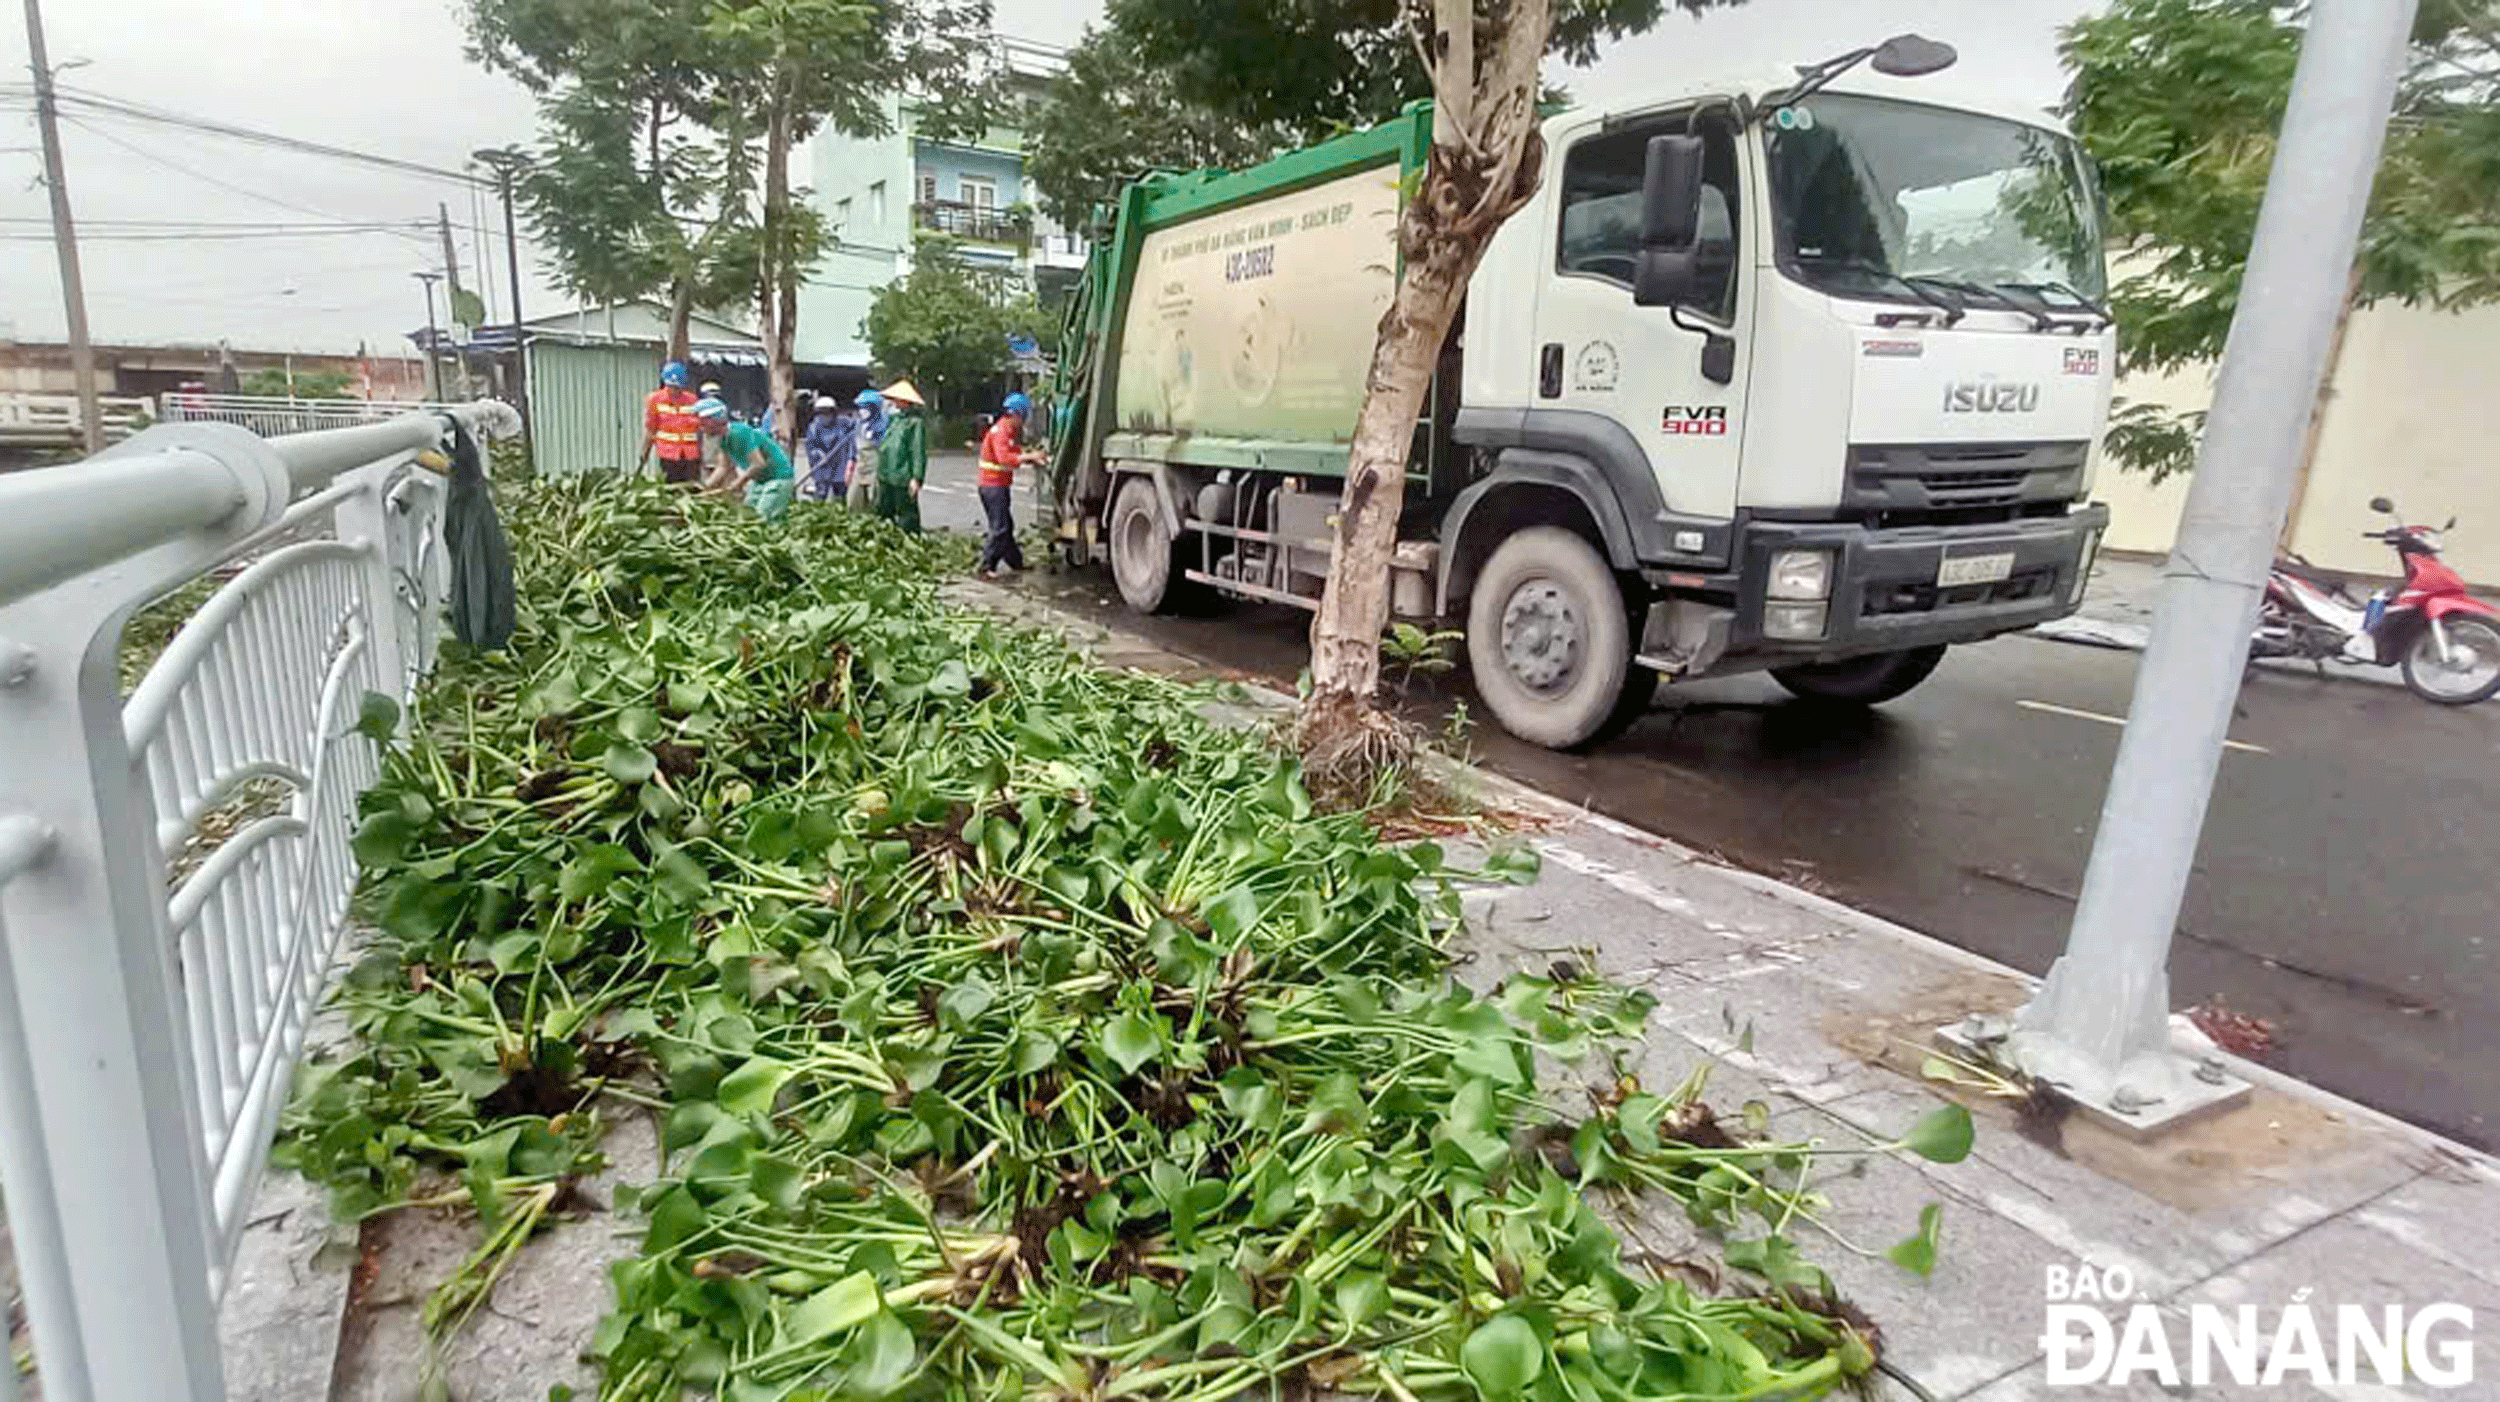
(1789, 372)
(1860, 418)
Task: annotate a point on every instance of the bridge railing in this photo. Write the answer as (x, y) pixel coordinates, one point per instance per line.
(273, 415)
(51, 421)
(175, 866)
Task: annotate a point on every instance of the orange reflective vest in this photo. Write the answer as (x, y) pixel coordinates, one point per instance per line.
(668, 416)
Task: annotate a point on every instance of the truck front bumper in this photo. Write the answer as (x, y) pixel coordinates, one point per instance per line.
(1889, 589)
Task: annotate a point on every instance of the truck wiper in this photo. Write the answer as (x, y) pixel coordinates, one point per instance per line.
(1950, 307)
(2082, 303)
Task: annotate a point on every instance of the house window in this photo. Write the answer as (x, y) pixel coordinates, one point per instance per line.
(979, 191)
(876, 203)
(841, 214)
(928, 187)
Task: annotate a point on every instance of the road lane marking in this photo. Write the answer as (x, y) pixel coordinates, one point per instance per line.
(2121, 722)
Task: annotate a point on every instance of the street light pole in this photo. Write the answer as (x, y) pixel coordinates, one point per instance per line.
(433, 348)
(64, 233)
(2099, 1027)
(503, 161)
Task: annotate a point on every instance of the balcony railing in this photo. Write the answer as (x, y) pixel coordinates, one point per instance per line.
(979, 222)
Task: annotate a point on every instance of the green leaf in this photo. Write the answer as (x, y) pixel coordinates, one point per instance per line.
(629, 764)
(639, 724)
(1036, 1052)
(1337, 1105)
(1362, 1296)
(777, 1181)
(1502, 1357)
(962, 1005)
(1775, 1259)
(750, 1089)
(382, 839)
(846, 1304)
(377, 718)
(1249, 1098)
(680, 876)
(1132, 1039)
(1917, 1254)
(1942, 1136)
(881, 1357)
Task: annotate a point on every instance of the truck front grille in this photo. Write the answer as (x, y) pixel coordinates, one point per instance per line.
(1906, 483)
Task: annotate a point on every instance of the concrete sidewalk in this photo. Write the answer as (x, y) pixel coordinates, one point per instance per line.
(2118, 608)
(1820, 1014)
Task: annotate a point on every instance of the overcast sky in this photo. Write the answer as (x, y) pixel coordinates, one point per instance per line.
(389, 76)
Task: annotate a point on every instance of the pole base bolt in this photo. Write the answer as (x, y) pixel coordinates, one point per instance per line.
(2127, 1100)
(2209, 1070)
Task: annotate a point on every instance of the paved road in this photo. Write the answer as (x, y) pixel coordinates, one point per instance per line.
(2343, 889)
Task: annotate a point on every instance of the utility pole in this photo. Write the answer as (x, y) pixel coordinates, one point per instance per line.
(503, 162)
(433, 348)
(64, 233)
(2099, 1027)
(451, 274)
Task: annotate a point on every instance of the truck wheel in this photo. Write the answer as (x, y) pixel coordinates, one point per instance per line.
(1861, 681)
(1141, 554)
(1548, 638)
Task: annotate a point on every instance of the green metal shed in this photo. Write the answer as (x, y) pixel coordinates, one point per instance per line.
(590, 370)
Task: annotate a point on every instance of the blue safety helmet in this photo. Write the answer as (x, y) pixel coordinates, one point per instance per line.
(673, 374)
(869, 399)
(1019, 405)
(711, 411)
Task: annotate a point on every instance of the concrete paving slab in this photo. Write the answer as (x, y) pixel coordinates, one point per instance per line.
(2451, 1213)
(285, 1296)
(2348, 1262)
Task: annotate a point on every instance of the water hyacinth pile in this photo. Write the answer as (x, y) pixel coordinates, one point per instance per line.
(1012, 1030)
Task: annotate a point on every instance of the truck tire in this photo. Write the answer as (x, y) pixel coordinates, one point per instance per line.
(1142, 562)
(1549, 640)
(1861, 681)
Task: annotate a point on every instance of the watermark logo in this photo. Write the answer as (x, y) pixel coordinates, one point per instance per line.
(2097, 1334)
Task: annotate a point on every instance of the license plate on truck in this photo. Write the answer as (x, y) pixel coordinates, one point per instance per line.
(1956, 570)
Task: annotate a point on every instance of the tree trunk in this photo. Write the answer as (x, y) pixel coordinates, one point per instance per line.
(2317, 408)
(781, 290)
(681, 313)
(1484, 163)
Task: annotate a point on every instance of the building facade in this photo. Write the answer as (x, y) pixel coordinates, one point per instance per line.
(878, 195)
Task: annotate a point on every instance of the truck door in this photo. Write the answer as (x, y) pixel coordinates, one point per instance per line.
(1600, 354)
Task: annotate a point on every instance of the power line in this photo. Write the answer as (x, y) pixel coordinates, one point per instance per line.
(150, 156)
(96, 103)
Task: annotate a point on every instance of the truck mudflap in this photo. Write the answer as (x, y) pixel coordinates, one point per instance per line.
(1910, 586)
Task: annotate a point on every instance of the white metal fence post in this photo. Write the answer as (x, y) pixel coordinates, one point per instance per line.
(118, 1145)
(2099, 1026)
(364, 521)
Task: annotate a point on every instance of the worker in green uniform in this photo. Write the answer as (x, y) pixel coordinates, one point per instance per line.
(749, 459)
(903, 458)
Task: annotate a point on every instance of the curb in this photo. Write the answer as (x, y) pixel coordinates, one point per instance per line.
(2117, 635)
(2183, 1032)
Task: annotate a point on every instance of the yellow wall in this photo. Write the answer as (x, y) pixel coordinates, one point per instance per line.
(2414, 414)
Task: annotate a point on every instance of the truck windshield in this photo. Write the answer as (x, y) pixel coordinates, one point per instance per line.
(1867, 192)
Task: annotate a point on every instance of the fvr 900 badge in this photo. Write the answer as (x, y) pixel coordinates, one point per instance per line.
(1696, 418)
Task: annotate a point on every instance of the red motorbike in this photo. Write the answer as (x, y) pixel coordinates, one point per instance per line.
(2446, 641)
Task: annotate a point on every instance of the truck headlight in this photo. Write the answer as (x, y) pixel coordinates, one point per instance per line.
(1794, 622)
(1801, 574)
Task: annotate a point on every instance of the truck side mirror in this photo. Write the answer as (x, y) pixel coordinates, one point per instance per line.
(1671, 192)
(1668, 268)
(2382, 506)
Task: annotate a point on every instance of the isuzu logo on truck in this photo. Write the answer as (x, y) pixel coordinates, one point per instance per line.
(1990, 397)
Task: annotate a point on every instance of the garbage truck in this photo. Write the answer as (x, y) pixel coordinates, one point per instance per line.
(1799, 373)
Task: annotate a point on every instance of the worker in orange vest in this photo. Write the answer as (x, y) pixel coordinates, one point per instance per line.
(1002, 452)
(669, 424)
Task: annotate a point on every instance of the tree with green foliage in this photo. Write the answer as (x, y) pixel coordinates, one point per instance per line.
(943, 325)
(2179, 101)
(834, 63)
(1114, 116)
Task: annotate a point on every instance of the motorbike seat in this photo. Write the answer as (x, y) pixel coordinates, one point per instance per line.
(2333, 584)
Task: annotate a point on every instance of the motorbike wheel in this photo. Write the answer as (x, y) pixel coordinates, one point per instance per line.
(2472, 671)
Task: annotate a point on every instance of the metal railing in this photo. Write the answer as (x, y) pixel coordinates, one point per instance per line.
(46, 421)
(985, 223)
(175, 868)
(273, 415)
